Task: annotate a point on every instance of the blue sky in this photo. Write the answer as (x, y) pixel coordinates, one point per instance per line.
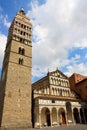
(59, 34)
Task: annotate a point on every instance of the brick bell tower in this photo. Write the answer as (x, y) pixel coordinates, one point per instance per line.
(16, 75)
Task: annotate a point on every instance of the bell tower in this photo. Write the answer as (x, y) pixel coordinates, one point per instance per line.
(16, 74)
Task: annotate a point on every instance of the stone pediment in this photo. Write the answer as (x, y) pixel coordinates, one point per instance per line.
(58, 73)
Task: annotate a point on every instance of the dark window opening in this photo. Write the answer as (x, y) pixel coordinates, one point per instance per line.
(22, 25)
(24, 33)
(22, 40)
(53, 101)
(21, 61)
(16, 22)
(30, 28)
(21, 51)
(21, 32)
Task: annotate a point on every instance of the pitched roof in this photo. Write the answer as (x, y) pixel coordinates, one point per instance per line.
(57, 72)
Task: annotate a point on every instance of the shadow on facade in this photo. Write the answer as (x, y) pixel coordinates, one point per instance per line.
(2, 97)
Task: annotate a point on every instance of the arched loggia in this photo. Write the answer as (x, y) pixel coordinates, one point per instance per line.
(76, 115)
(61, 114)
(45, 117)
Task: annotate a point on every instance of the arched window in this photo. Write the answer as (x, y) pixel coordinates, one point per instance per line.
(21, 61)
(21, 51)
(60, 92)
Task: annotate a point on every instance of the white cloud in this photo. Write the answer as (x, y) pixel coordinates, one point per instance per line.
(77, 68)
(86, 56)
(3, 39)
(75, 59)
(6, 23)
(58, 26)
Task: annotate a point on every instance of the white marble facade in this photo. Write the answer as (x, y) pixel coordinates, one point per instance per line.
(54, 102)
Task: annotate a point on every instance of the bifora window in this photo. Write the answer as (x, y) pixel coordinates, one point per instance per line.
(21, 51)
(21, 61)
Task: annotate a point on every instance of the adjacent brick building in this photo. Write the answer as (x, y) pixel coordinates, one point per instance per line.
(78, 83)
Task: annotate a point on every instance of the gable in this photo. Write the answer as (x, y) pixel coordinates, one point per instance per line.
(58, 73)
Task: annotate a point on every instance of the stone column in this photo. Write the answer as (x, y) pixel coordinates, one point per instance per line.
(57, 118)
(84, 116)
(73, 117)
(79, 115)
(66, 117)
(40, 117)
(51, 117)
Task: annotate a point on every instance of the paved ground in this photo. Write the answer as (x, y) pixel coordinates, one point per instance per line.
(73, 127)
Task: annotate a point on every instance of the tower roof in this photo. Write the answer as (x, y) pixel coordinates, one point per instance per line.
(22, 11)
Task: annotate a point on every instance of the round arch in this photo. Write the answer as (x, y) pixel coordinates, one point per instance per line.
(62, 117)
(76, 115)
(82, 116)
(85, 111)
(45, 117)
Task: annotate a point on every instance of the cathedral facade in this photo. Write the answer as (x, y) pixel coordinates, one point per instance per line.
(55, 104)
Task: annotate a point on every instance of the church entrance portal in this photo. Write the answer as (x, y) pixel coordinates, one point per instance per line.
(48, 117)
(45, 117)
(62, 116)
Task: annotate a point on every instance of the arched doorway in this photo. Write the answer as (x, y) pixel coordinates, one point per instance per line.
(69, 112)
(54, 116)
(48, 117)
(82, 116)
(45, 117)
(76, 115)
(62, 117)
(85, 112)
